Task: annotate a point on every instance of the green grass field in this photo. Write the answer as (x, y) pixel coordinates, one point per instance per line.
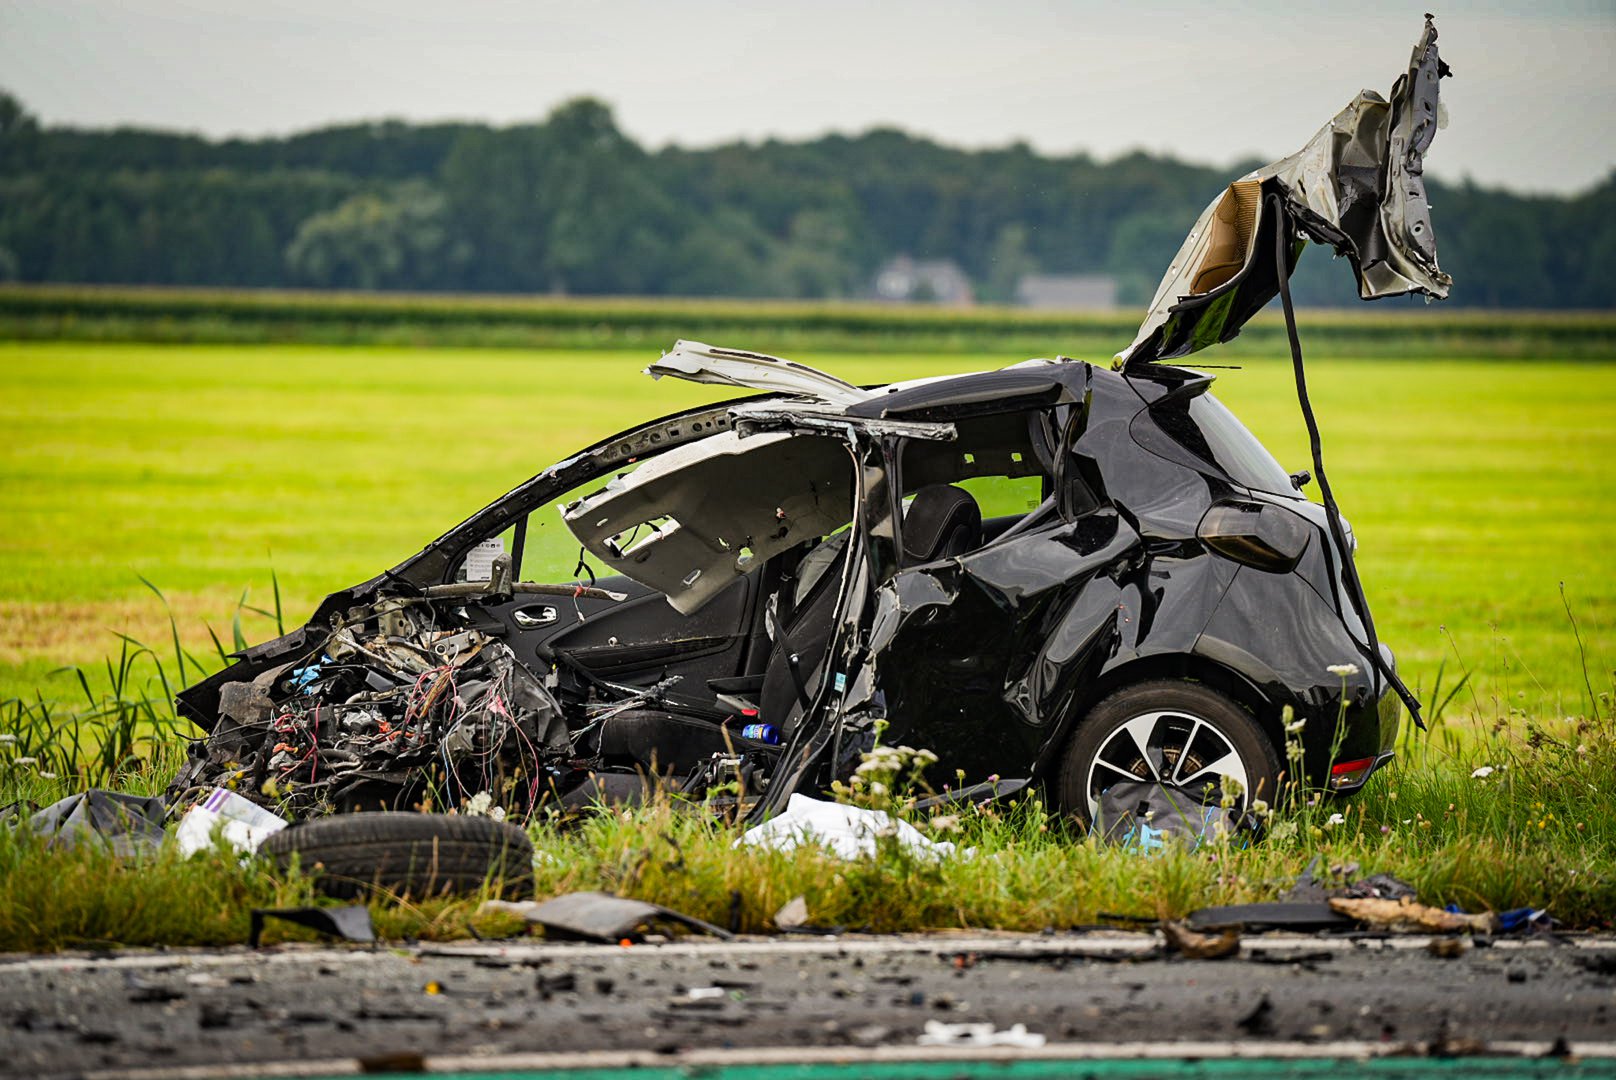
(1475, 487)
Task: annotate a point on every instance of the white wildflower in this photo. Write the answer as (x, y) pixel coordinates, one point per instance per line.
(1342, 670)
(46, 775)
(877, 788)
(945, 823)
(481, 805)
(1335, 819)
(8, 738)
(1259, 807)
(1295, 727)
(1482, 773)
(26, 761)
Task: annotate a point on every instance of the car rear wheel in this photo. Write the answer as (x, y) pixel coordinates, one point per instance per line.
(1181, 734)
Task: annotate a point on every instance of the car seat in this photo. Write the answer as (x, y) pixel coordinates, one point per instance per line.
(942, 521)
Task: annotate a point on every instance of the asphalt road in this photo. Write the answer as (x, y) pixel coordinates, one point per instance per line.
(327, 1011)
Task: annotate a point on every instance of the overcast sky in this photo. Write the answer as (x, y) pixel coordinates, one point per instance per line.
(1531, 105)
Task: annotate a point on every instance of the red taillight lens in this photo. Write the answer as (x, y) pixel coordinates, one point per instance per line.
(1348, 774)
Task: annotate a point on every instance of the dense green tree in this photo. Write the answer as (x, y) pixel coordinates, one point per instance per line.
(375, 240)
(726, 253)
(1009, 262)
(14, 119)
(571, 204)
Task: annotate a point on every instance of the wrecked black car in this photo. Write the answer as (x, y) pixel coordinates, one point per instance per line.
(1058, 573)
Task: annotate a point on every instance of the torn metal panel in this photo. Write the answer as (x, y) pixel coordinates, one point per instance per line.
(350, 923)
(701, 363)
(751, 417)
(1357, 186)
(690, 523)
(597, 916)
(127, 824)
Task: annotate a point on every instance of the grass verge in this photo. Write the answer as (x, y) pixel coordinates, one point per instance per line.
(1516, 815)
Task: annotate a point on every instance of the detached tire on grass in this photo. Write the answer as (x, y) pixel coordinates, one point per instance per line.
(406, 853)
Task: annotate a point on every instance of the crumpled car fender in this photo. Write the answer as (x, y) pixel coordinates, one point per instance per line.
(1049, 622)
(1148, 610)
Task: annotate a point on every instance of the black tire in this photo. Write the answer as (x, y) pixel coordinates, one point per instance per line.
(406, 853)
(1170, 698)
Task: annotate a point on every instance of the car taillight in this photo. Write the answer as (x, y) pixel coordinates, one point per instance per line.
(1350, 774)
(1257, 534)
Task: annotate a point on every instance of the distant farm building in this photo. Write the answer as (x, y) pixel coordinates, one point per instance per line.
(924, 281)
(1067, 291)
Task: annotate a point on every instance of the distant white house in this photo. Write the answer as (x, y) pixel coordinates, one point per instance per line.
(1067, 291)
(924, 281)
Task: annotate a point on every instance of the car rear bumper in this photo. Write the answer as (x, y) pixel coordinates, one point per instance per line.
(1351, 769)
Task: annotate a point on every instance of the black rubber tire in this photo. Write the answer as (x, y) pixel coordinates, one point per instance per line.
(1257, 751)
(406, 853)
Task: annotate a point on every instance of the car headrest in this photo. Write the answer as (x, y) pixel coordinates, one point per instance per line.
(941, 522)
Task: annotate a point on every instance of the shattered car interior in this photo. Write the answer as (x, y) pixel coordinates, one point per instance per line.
(1064, 574)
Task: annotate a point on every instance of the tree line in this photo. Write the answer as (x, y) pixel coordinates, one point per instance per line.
(572, 205)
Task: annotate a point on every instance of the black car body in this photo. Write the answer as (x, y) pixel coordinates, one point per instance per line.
(1165, 544)
(1056, 573)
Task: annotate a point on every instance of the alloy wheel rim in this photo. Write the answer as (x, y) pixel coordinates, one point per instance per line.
(1170, 747)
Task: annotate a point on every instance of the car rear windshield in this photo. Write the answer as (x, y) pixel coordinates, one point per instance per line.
(1210, 431)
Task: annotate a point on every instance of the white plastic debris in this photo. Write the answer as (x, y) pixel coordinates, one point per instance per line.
(938, 1033)
(792, 914)
(848, 832)
(480, 559)
(246, 824)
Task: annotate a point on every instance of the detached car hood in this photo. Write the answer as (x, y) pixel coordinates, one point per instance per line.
(1357, 186)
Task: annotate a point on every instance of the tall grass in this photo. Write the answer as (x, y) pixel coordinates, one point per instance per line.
(1537, 832)
(129, 735)
(1515, 811)
(126, 737)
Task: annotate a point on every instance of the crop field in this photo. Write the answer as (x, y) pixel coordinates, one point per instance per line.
(1476, 488)
(787, 327)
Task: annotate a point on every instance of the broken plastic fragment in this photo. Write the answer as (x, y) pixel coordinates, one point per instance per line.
(239, 822)
(938, 1033)
(848, 832)
(350, 923)
(598, 916)
(480, 559)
